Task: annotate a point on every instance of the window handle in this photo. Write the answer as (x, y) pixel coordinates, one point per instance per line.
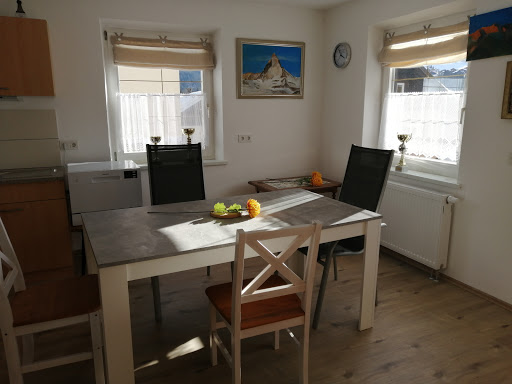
(462, 114)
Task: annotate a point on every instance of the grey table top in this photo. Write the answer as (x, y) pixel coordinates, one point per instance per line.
(132, 235)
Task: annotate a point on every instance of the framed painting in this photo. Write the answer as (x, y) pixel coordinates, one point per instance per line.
(506, 109)
(490, 35)
(269, 69)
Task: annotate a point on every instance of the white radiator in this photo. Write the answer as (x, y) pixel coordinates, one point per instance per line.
(418, 223)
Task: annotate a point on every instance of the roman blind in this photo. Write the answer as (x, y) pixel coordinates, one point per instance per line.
(143, 52)
(428, 46)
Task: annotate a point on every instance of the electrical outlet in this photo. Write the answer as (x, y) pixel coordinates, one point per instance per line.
(245, 138)
(70, 145)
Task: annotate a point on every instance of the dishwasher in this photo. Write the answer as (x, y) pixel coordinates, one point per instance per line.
(101, 186)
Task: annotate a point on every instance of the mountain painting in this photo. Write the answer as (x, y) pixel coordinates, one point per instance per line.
(490, 35)
(270, 69)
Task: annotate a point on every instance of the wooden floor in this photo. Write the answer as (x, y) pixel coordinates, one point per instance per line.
(425, 332)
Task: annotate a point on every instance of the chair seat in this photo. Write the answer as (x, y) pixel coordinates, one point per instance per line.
(56, 300)
(260, 312)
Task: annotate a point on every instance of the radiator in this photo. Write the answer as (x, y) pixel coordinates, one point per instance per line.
(418, 223)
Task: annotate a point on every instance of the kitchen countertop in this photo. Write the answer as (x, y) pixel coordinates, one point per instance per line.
(31, 175)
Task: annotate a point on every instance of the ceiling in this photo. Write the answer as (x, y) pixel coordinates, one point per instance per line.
(312, 4)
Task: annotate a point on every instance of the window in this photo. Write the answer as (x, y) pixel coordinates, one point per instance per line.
(161, 102)
(425, 96)
(427, 103)
(157, 88)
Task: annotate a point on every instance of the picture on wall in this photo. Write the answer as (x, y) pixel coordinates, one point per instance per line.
(268, 69)
(490, 35)
(506, 110)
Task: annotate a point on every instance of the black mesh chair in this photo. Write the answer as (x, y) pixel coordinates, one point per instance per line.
(175, 175)
(363, 186)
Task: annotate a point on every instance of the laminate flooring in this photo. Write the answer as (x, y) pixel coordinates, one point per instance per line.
(425, 332)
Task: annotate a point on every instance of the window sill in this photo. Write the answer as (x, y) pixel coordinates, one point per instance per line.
(425, 178)
(206, 163)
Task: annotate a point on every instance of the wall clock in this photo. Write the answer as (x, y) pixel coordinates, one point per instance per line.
(342, 55)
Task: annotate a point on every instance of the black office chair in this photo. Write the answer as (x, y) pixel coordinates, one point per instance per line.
(363, 186)
(175, 175)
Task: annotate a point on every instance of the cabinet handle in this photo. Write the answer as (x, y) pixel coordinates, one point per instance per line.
(11, 210)
(4, 88)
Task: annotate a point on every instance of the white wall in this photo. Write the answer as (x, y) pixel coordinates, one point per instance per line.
(297, 136)
(285, 132)
(481, 245)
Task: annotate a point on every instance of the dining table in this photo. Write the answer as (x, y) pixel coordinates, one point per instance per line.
(136, 243)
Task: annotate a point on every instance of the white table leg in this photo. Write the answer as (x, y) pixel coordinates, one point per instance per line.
(370, 270)
(117, 325)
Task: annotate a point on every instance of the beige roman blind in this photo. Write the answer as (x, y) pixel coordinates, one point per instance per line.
(143, 52)
(428, 46)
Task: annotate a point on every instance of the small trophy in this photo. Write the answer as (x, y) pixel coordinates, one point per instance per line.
(189, 132)
(155, 139)
(403, 138)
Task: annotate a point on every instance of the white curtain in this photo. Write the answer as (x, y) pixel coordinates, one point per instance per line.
(146, 115)
(432, 118)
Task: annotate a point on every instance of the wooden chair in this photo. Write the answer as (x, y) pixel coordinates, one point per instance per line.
(270, 301)
(44, 307)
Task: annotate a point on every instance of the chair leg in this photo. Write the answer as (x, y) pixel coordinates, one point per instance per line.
(236, 374)
(27, 352)
(155, 283)
(12, 356)
(276, 340)
(335, 267)
(232, 270)
(97, 347)
(213, 329)
(321, 292)
(304, 356)
(208, 271)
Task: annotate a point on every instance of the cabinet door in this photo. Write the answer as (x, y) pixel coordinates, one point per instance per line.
(40, 234)
(25, 67)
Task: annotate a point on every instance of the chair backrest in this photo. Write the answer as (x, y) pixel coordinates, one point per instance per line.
(10, 270)
(251, 292)
(10, 275)
(175, 173)
(366, 177)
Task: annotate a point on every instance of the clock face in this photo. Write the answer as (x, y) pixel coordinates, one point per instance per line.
(342, 55)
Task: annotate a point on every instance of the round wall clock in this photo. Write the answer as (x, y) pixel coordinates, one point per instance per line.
(341, 55)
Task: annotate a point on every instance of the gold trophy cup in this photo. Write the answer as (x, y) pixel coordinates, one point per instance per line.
(189, 132)
(403, 138)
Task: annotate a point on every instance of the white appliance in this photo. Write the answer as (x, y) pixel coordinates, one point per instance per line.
(102, 186)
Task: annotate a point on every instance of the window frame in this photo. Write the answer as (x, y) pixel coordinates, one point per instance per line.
(437, 168)
(114, 109)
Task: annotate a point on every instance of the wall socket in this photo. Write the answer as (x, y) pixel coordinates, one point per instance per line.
(70, 145)
(245, 138)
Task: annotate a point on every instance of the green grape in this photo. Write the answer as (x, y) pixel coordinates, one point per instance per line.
(219, 208)
(234, 208)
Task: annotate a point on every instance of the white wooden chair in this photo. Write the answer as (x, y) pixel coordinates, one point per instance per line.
(43, 307)
(270, 301)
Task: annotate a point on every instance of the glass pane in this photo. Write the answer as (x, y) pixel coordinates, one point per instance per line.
(169, 74)
(189, 87)
(135, 73)
(140, 87)
(171, 88)
(190, 75)
(433, 78)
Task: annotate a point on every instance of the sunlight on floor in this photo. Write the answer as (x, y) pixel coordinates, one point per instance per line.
(190, 346)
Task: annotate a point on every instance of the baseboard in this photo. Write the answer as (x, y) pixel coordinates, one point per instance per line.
(447, 278)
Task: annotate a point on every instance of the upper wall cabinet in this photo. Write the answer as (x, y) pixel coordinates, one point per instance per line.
(25, 66)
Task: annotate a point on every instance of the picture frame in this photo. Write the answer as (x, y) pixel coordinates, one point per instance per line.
(269, 69)
(506, 109)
